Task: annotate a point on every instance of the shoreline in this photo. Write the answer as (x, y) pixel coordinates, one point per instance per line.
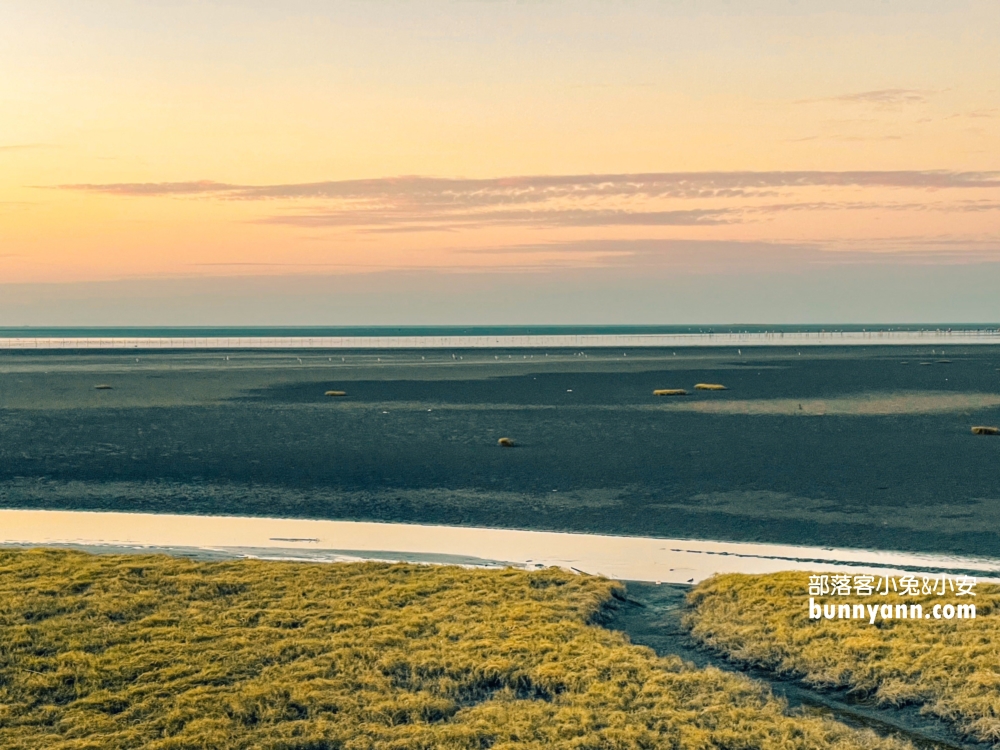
(522, 341)
(648, 559)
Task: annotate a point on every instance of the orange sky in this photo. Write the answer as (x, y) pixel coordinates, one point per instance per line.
(190, 140)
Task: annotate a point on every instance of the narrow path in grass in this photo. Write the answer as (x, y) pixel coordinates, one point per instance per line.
(652, 617)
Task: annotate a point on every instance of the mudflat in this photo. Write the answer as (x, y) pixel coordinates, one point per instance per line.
(848, 447)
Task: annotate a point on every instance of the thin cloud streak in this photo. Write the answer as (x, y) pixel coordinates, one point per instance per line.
(534, 187)
(732, 256)
(191, 187)
(420, 205)
(404, 205)
(883, 97)
(392, 222)
(572, 218)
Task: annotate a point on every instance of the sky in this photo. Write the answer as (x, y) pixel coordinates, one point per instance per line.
(166, 162)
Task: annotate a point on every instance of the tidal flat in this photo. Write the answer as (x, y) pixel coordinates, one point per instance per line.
(827, 446)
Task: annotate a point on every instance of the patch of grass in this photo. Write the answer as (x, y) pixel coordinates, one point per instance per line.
(168, 654)
(951, 667)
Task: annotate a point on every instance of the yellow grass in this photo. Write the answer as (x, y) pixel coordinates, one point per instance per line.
(670, 392)
(159, 653)
(950, 666)
(709, 387)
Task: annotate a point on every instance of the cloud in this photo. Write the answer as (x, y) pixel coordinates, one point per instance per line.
(194, 187)
(431, 204)
(441, 221)
(978, 114)
(532, 188)
(960, 206)
(844, 138)
(743, 257)
(880, 97)
(281, 265)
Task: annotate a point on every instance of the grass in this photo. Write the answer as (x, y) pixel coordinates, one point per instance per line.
(951, 667)
(162, 653)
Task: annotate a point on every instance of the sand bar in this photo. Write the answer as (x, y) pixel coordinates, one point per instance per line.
(629, 558)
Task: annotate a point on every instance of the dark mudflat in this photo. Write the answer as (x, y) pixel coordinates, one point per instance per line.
(881, 454)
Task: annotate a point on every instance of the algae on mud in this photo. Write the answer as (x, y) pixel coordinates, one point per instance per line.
(113, 651)
(951, 667)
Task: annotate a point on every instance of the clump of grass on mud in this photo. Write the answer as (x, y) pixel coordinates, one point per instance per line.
(952, 667)
(162, 653)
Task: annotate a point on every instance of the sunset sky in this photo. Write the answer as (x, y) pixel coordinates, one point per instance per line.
(417, 161)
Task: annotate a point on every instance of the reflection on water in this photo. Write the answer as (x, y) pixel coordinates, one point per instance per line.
(630, 558)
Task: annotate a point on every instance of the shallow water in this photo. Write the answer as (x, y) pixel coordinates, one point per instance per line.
(879, 456)
(631, 557)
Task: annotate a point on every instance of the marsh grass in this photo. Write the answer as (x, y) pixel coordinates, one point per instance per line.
(101, 651)
(950, 667)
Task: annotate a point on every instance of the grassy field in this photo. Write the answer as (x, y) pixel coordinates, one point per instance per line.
(951, 667)
(117, 652)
